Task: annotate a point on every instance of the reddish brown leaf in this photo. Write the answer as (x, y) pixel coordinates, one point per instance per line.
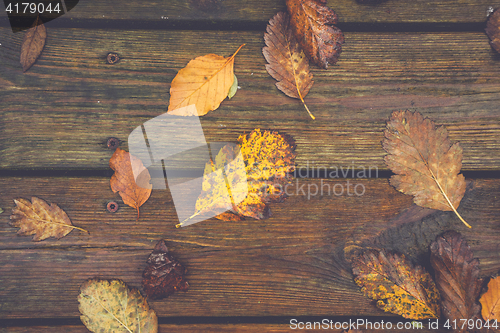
(493, 29)
(457, 277)
(490, 301)
(397, 286)
(134, 192)
(163, 274)
(426, 164)
(312, 23)
(40, 219)
(33, 43)
(287, 62)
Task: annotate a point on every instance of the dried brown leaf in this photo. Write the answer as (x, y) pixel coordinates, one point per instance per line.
(457, 277)
(202, 85)
(112, 307)
(312, 23)
(287, 63)
(397, 286)
(490, 301)
(426, 164)
(164, 274)
(134, 192)
(33, 43)
(41, 220)
(493, 29)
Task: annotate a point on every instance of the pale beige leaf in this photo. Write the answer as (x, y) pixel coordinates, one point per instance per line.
(40, 219)
(112, 307)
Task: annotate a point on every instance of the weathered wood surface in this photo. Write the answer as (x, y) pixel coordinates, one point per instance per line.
(240, 12)
(71, 101)
(291, 264)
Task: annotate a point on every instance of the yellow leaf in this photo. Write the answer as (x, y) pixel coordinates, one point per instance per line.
(490, 301)
(397, 286)
(111, 307)
(202, 85)
(39, 219)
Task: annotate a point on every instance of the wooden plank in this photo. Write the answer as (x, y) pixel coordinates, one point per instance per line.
(70, 101)
(291, 264)
(160, 13)
(202, 328)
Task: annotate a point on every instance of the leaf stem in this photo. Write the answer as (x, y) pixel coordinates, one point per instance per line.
(64, 224)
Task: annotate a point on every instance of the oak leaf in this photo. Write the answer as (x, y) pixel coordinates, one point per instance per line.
(312, 23)
(287, 62)
(40, 219)
(426, 164)
(33, 43)
(457, 277)
(112, 307)
(164, 274)
(493, 29)
(202, 85)
(134, 191)
(490, 301)
(397, 286)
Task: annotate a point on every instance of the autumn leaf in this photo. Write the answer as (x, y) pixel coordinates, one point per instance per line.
(134, 192)
(312, 23)
(397, 286)
(40, 219)
(33, 43)
(426, 164)
(490, 301)
(1, 210)
(457, 277)
(233, 89)
(202, 85)
(287, 62)
(163, 274)
(493, 29)
(112, 307)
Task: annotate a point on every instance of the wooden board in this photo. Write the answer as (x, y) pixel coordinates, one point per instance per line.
(237, 14)
(291, 264)
(71, 101)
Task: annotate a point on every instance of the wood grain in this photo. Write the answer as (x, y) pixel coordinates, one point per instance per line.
(72, 101)
(236, 12)
(290, 264)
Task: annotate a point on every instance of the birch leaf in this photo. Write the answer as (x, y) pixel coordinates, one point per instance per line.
(202, 85)
(40, 219)
(425, 162)
(33, 43)
(287, 63)
(112, 307)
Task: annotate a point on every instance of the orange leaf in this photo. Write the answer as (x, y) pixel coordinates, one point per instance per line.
(426, 165)
(490, 301)
(311, 23)
(39, 219)
(202, 85)
(124, 182)
(397, 286)
(33, 43)
(287, 62)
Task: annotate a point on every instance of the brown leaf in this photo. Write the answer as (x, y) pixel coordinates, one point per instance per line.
(311, 22)
(457, 277)
(490, 301)
(111, 307)
(163, 274)
(493, 29)
(39, 219)
(202, 85)
(397, 286)
(33, 43)
(134, 192)
(426, 165)
(287, 62)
